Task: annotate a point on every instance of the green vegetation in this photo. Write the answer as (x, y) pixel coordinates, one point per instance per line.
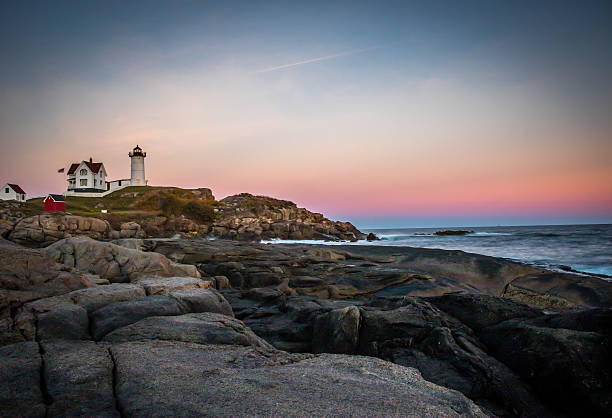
(137, 202)
(258, 204)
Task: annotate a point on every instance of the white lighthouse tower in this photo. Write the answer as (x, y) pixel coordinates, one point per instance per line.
(138, 170)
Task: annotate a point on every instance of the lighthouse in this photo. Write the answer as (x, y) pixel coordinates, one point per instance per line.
(138, 170)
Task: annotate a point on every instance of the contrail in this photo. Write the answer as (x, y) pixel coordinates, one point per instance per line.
(326, 57)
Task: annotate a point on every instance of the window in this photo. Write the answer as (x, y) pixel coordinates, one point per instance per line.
(83, 172)
(83, 182)
(6, 190)
(119, 182)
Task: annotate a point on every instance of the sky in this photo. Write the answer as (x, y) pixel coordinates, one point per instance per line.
(387, 114)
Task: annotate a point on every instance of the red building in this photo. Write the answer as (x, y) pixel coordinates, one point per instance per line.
(54, 203)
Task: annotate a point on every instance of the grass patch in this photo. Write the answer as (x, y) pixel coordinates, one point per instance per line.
(135, 202)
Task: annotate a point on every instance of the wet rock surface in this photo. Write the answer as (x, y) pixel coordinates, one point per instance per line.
(295, 330)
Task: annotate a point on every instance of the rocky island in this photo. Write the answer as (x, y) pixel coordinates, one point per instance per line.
(116, 315)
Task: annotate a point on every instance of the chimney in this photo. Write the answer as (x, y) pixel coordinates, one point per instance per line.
(90, 159)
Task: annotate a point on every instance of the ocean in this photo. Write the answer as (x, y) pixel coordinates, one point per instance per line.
(583, 248)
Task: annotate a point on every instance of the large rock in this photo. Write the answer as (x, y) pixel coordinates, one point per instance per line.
(481, 311)
(114, 262)
(26, 275)
(20, 386)
(337, 331)
(590, 320)
(97, 297)
(131, 230)
(558, 291)
(51, 227)
(194, 380)
(203, 300)
(79, 379)
(570, 369)
(201, 328)
(413, 333)
(120, 314)
(66, 316)
(67, 322)
(285, 322)
(165, 285)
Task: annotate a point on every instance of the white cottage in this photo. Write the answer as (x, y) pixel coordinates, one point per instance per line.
(86, 176)
(12, 192)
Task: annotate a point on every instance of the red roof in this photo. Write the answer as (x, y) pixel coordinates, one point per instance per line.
(16, 188)
(95, 167)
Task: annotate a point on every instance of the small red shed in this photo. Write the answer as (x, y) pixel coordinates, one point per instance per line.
(54, 203)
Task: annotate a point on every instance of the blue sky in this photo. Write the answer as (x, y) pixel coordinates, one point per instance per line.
(424, 113)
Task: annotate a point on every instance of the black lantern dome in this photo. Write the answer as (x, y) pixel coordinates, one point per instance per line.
(137, 152)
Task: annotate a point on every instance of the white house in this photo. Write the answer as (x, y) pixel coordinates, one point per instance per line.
(12, 192)
(88, 179)
(86, 176)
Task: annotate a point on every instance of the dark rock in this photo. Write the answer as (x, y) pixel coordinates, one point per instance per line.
(196, 380)
(559, 291)
(372, 237)
(79, 379)
(67, 322)
(337, 331)
(120, 314)
(481, 311)
(591, 320)
(262, 279)
(20, 386)
(453, 232)
(222, 282)
(203, 300)
(571, 370)
(305, 281)
(416, 334)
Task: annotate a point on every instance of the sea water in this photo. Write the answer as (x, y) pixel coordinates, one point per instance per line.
(584, 248)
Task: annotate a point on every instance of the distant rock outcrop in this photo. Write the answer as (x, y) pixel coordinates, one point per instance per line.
(248, 217)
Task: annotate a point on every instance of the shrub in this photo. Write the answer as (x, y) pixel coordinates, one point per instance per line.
(199, 210)
(171, 205)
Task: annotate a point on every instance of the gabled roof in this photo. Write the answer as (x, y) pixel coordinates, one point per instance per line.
(73, 168)
(16, 188)
(94, 167)
(56, 197)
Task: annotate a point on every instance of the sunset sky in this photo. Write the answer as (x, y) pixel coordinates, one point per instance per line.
(387, 114)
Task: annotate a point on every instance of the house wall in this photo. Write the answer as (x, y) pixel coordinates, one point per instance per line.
(97, 194)
(93, 180)
(114, 185)
(51, 206)
(11, 194)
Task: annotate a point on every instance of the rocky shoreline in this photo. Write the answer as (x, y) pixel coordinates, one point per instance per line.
(241, 217)
(191, 327)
